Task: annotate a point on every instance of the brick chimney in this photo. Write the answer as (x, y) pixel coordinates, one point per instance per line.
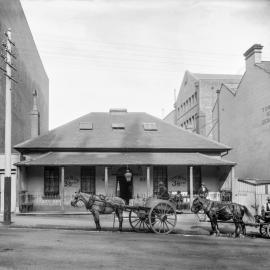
(253, 55)
(35, 129)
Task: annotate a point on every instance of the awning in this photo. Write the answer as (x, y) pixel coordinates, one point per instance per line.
(255, 182)
(125, 158)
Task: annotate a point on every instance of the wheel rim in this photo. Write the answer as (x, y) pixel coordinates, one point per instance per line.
(162, 218)
(265, 230)
(139, 221)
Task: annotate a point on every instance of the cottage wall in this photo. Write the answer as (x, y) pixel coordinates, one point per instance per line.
(178, 179)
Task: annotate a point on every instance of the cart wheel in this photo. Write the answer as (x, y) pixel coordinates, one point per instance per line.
(162, 218)
(138, 220)
(265, 230)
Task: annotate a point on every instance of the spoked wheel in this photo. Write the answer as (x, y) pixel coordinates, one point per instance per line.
(138, 220)
(265, 230)
(162, 218)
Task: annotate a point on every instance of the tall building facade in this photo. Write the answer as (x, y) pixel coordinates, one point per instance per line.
(244, 112)
(196, 99)
(30, 75)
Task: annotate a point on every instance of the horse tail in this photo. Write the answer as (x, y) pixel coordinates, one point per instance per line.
(248, 213)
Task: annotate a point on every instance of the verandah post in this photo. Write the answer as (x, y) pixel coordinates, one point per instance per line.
(106, 181)
(62, 187)
(148, 185)
(191, 185)
(18, 189)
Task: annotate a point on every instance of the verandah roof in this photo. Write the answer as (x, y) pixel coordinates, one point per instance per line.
(117, 158)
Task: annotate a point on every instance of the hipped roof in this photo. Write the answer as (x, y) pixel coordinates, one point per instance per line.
(133, 138)
(117, 158)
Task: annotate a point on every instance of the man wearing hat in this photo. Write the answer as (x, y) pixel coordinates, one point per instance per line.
(162, 191)
(266, 210)
(203, 191)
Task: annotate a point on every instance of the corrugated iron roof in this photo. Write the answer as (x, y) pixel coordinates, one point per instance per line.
(117, 158)
(102, 136)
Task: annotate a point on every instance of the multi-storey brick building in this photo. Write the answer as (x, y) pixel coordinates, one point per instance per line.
(244, 114)
(195, 101)
(31, 76)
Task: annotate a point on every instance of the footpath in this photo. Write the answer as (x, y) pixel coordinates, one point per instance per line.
(187, 223)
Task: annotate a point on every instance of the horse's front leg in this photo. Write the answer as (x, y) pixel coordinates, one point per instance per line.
(96, 219)
(243, 227)
(119, 214)
(214, 225)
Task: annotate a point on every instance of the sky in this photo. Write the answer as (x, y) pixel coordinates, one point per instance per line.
(102, 54)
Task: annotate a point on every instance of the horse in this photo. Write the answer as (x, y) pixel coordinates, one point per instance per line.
(100, 204)
(223, 211)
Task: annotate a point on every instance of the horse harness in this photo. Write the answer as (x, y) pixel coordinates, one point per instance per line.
(91, 203)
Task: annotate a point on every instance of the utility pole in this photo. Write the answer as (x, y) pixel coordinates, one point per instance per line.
(218, 114)
(7, 72)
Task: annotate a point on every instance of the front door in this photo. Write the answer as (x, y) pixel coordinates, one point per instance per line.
(124, 188)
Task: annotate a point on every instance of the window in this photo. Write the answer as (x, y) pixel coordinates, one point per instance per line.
(118, 126)
(159, 175)
(150, 126)
(88, 180)
(85, 126)
(51, 181)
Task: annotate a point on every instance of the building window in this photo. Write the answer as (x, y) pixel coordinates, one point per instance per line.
(88, 180)
(51, 181)
(150, 126)
(159, 175)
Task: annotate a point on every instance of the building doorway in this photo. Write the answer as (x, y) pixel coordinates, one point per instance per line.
(124, 189)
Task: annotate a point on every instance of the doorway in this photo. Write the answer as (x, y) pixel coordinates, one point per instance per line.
(124, 189)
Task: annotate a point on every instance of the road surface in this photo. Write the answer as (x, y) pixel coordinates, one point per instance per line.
(74, 249)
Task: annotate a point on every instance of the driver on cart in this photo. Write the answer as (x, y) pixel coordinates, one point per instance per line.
(162, 192)
(266, 210)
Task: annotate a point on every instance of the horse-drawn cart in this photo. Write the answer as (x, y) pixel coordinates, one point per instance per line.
(156, 215)
(263, 225)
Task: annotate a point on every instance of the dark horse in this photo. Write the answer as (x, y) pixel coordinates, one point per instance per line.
(99, 204)
(224, 212)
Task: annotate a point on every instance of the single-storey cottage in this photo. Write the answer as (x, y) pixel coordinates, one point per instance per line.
(118, 153)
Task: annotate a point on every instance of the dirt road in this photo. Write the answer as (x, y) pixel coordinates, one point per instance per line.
(62, 249)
